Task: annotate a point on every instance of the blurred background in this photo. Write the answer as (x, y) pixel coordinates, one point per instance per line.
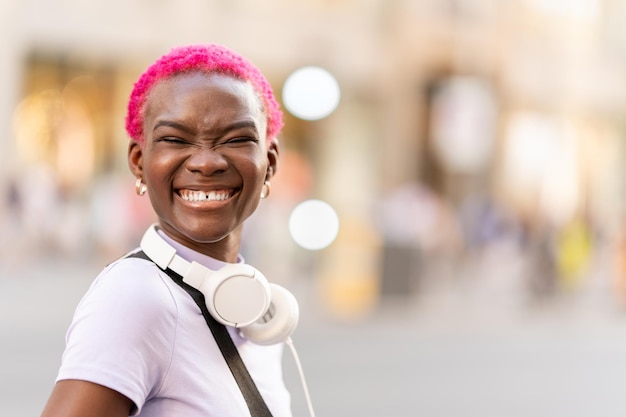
(472, 154)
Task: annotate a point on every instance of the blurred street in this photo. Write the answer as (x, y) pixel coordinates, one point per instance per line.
(454, 356)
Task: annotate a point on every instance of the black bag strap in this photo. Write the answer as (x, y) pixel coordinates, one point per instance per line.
(246, 384)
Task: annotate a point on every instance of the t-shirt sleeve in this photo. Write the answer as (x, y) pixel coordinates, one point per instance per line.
(123, 331)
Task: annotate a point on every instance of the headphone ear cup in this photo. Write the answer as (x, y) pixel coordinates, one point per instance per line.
(278, 323)
(236, 295)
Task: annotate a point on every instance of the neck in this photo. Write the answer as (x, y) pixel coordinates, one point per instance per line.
(225, 249)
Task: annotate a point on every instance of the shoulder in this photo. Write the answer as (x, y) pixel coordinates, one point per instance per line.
(133, 287)
(140, 270)
(123, 332)
(133, 276)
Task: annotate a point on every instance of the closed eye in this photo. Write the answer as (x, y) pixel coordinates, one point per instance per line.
(242, 140)
(173, 140)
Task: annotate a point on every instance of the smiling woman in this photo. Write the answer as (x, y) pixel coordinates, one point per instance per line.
(203, 123)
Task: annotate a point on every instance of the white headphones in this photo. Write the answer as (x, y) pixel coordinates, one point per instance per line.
(236, 295)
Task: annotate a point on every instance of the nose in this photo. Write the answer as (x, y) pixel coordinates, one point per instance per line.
(207, 161)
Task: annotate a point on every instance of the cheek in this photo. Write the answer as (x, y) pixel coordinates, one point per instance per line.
(259, 169)
(250, 163)
(158, 170)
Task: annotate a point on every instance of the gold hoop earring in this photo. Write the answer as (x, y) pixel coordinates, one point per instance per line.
(267, 188)
(140, 187)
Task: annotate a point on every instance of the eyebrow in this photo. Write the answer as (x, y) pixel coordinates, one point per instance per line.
(174, 125)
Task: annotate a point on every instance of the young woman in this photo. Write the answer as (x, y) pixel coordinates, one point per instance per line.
(203, 123)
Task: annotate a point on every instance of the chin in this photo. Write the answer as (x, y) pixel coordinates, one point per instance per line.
(205, 234)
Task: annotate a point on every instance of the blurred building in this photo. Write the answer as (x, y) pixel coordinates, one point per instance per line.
(507, 114)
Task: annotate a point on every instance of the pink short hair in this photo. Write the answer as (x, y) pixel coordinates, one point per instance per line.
(209, 59)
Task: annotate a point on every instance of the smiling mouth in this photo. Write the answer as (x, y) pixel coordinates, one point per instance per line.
(215, 195)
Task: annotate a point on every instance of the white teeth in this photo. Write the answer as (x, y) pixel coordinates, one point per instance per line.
(202, 196)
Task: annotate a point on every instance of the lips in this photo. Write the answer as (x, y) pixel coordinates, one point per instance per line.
(212, 195)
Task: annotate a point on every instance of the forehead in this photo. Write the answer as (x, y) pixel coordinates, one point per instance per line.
(192, 84)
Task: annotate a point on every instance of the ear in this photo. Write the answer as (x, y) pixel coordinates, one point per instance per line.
(135, 159)
(272, 157)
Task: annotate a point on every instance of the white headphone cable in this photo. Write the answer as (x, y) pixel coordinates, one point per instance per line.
(309, 403)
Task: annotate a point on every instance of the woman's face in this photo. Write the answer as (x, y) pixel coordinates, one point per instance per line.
(204, 159)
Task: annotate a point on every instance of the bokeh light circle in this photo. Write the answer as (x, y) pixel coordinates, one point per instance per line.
(311, 93)
(313, 224)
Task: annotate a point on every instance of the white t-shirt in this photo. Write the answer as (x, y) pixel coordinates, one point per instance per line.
(137, 332)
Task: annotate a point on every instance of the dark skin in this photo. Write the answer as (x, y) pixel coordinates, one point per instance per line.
(204, 136)
(74, 398)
